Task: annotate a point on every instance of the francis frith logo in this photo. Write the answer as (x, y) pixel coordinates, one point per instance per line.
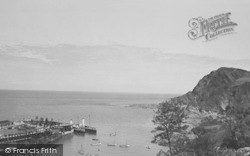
(212, 27)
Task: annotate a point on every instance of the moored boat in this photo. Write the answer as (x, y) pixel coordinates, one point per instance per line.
(96, 144)
(81, 151)
(113, 145)
(124, 145)
(95, 139)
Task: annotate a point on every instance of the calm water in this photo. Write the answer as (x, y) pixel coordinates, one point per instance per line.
(107, 111)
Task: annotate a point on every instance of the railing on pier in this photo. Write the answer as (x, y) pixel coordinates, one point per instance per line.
(18, 137)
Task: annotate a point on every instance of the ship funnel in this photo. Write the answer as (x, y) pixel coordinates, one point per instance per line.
(83, 122)
(71, 122)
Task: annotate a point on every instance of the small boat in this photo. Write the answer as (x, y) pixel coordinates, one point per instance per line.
(97, 144)
(124, 145)
(81, 151)
(95, 139)
(113, 145)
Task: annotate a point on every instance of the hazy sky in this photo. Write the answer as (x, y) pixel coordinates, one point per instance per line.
(115, 45)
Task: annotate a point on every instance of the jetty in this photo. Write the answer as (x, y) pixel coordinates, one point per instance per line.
(39, 131)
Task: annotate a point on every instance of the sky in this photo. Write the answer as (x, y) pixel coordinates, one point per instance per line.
(115, 45)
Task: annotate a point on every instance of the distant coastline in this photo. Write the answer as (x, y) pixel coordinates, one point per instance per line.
(143, 106)
(93, 92)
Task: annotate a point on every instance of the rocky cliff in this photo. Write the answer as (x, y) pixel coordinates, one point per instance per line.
(217, 90)
(223, 87)
(213, 93)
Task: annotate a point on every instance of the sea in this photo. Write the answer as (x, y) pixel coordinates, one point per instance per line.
(110, 113)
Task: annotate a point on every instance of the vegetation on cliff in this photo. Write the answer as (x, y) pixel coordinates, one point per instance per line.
(216, 115)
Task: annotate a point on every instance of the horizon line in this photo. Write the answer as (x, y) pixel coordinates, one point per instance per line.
(77, 91)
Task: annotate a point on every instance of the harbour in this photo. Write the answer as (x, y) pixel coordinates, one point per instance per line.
(113, 120)
(33, 130)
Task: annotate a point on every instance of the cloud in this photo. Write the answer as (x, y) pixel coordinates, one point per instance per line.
(72, 55)
(65, 54)
(22, 52)
(105, 68)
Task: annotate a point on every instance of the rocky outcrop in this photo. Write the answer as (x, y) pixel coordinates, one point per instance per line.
(217, 90)
(213, 93)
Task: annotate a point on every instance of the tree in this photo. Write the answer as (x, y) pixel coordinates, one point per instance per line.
(169, 120)
(236, 127)
(41, 121)
(46, 121)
